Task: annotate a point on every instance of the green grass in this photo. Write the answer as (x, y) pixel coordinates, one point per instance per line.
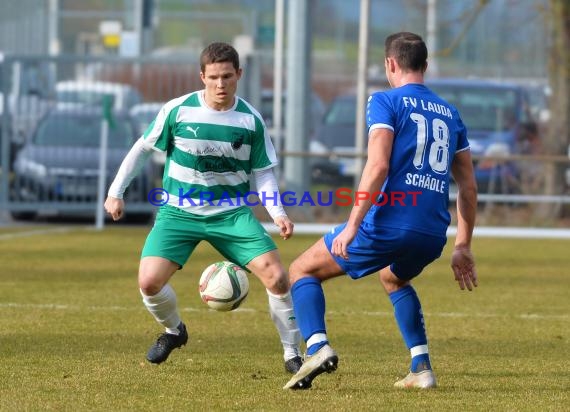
(73, 334)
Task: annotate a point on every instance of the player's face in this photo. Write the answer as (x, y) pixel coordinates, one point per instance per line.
(220, 81)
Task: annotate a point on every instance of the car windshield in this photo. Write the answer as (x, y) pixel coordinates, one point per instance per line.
(92, 98)
(339, 123)
(341, 112)
(144, 118)
(266, 110)
(482, 108)
(67, 130)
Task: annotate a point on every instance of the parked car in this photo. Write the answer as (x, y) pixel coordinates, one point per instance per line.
(58, 167)
(143, 114)
(496, 115)
(317, 108)
(335, 135)
(92, 93)
(26, 93)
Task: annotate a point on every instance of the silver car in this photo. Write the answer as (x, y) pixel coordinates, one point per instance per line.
(57, 170)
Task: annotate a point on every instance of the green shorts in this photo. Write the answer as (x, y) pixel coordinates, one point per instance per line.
(236, 234)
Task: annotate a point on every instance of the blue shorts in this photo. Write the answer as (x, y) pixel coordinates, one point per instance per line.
(374, 248)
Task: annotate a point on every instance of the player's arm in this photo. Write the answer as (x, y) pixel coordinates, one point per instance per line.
(373, 176)
(462, 261)
(130, 168)
(266, 183)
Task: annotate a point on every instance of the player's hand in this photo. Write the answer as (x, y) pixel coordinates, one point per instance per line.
(285, 225)
(115, 207)
(463, 265)
(341, 242)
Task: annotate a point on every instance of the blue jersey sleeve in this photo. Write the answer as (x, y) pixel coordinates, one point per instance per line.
(380, 113)
(462, 142)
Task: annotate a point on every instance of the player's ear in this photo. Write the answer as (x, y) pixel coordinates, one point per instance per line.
(391, 64)
(203, 77)
(238, 73)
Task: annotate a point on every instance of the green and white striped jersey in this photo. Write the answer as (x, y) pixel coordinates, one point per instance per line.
(209, 153)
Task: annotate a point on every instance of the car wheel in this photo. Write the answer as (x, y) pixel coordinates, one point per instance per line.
(26, 216)
(139, 217)
(320, 175)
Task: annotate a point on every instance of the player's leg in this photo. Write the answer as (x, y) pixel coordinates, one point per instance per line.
(410, 319)
(366, 255)
(418, 251)
(166, 249)
(244, 241)
(269, 269)
(158, 296)
(307, 273)
(160, 300)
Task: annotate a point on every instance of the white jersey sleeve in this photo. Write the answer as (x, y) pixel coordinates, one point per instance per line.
(130, 168)
(267, 189)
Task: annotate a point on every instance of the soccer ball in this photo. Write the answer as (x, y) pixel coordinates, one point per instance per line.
(223, 286)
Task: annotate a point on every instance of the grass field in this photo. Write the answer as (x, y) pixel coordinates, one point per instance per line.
(74, 333)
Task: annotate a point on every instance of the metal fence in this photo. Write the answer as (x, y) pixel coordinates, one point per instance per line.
(52, 120)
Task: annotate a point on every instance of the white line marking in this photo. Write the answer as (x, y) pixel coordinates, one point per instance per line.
(321, 229)
(14, 235)
(57, 306)
(479, 232)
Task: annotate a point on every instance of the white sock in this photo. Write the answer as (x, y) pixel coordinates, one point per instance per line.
(163, 307)
(316, 338)
(419, 350)
(281, 310)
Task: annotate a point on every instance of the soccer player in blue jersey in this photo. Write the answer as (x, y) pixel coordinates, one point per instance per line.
(214, 141)
(416, 140)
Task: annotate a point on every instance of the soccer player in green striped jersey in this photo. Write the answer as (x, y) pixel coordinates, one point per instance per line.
(214, 141)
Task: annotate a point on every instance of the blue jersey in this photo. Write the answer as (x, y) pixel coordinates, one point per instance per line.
(428, 132)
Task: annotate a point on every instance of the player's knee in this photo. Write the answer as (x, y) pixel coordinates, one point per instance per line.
(272, 274)
(277, 282)
(296, 271)
(149, 288)
(391, 282)
(149, 284)
(154, 273)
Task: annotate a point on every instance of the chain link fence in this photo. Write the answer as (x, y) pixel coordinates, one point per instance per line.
(52, 120)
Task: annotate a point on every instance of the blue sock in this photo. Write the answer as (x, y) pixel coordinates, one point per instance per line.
(408, 313)
(309, 307)
(311, 350)
(420, 363)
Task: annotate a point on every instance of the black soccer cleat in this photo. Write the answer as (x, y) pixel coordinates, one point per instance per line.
(293, 365)
(166, 343)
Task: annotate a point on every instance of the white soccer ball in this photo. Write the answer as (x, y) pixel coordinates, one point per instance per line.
(223, 286)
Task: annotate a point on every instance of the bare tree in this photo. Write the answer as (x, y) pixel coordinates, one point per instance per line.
(557, 138)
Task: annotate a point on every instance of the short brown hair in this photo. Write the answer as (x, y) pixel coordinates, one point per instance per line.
(219, 52)
(408, 49)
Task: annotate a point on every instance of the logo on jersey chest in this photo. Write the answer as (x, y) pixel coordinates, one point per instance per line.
(237, 140)
(194, 131)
